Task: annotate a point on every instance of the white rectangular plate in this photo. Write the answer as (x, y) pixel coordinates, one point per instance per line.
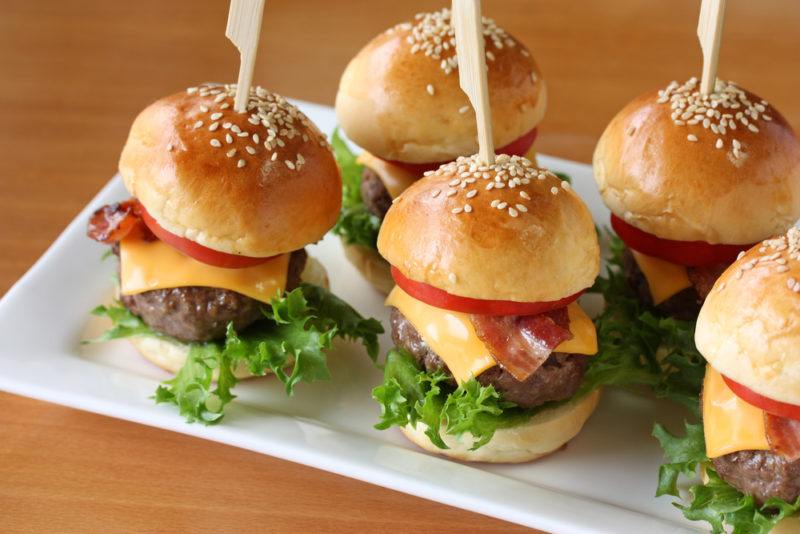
(604, 481)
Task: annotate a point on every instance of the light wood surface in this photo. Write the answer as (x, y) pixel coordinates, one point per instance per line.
(72, 77)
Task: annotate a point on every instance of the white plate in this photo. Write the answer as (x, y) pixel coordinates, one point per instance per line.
(603, 482)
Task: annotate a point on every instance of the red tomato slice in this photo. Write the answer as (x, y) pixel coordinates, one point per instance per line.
(442, 299)
(774, 407)
(196, 250)
(689, 253)
(515, 148)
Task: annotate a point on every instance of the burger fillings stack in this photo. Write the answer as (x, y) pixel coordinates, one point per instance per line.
(400, 100)
(749, 445)
(211, 248)
(692, 180)
(492, 346)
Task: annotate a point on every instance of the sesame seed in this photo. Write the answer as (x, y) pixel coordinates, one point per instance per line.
(230, 153)
(521, 208)
(436, 193)
(274, 156)
(631, 130)
(256, 138)
(467, 208)
(250, 150)
(430, 89)
(501, 205)
(289, 164)
(215, 116)
(198, 124)
(204, 109)
(564, 184)
(472, 193)
(215, 143)
(463, 109)
(524, 195)
(213, 126)
(241, 163)
(554, 190)
(692, 138)
(513, 212)
(228, 138)
(782, 268)
(452, 278)
(720, 143)
(170, 146)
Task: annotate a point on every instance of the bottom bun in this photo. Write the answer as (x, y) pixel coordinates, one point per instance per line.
(544, 433)
(171, 355)
(372, 265)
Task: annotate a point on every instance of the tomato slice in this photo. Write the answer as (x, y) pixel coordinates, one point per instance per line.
(196, 250)
(518, 147)
(442, 299)
(689, 253)
(774, 407)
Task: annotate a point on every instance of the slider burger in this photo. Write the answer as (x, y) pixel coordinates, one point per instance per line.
(691, 181)
(400, 100)
(211, 252)
(749, 332)
(492, 345)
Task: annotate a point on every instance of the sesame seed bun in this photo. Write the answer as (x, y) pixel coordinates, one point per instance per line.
(655, 178)
(385, 105)
(544, 433)
(532, 242)
(239, 203)
(749, 326)
(170, 355)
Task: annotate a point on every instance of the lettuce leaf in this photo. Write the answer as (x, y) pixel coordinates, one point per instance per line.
(356, 225)
(640, 349)
(409, 395)
(291, 341)
(715, 502)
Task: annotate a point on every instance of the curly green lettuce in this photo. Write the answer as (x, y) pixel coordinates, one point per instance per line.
(658, 352)
(715, 501)
(356, 225)
(290, 341)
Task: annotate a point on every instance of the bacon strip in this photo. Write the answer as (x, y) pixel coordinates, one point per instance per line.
(522, 343)
(783, 435)
(114, 222)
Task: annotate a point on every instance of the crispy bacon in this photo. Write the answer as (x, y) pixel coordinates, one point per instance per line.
(522, 343)
(783, 435)
(113, 222)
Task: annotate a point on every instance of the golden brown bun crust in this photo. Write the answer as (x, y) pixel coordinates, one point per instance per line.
(749, 326)
(654, 178)
(544, 254)
(371, 265)
(544, 433)
(196, 191)
(383, 104)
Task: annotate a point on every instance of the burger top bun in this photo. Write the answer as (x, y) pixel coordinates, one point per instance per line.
(258, 183)
(400, 98)
(686, 167)
(509, 231)
(749, 326)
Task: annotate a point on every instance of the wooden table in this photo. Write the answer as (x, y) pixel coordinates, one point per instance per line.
(74, 74)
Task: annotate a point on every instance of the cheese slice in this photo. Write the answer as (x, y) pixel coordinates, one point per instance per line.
(451, 335)
(396, 179)
(729, 423)
(148, 265)
(664, 278)
(584, 334)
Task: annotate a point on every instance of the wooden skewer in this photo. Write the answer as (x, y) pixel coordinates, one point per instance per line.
(244, 29)
(468, 26)
(709, 31)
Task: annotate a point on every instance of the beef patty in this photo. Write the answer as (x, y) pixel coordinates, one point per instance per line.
(762, 474)
(558, 378)
(376, 198)
(685, 304)
(197, 314)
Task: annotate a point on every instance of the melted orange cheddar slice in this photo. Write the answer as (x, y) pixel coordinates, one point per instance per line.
(664, 278)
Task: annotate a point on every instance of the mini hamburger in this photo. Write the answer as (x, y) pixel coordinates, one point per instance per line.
(691, 181)
(400, 100)
(492, 346)
(749, 445)
(212, 265)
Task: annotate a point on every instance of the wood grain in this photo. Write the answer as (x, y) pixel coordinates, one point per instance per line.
(74, 74)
